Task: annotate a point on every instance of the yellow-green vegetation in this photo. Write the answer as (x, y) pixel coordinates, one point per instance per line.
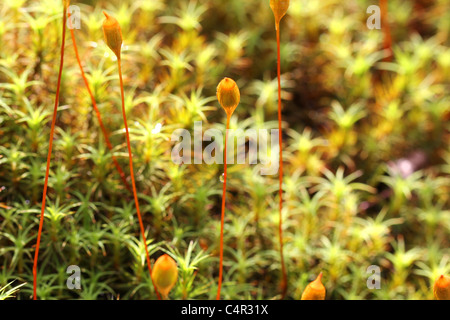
(365, 148)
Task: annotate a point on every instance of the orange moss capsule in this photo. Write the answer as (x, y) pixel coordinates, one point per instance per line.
(228, 95)
(442, 288)
(165, 274)
(279, 8)
(113, 34)
(315, 290)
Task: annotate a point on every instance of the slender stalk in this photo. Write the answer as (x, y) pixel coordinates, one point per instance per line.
(94, 104)
(133, 183)
(222, 218)
(280, 136)
(49, 155)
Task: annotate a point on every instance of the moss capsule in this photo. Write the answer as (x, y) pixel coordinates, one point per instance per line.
(441, 288)
(228, 95)
(165, 274)
(279, 8)
(113, 34)
(315, 290)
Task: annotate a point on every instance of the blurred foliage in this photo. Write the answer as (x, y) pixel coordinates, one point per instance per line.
(367, 172)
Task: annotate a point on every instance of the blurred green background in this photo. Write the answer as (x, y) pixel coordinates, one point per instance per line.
(366, 148)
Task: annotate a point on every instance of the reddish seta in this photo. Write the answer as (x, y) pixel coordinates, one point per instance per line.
(50, 145)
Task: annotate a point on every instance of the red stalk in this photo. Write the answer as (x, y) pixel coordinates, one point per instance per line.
(130, 156)
(94, 104)
(49, 155)
(222, 218)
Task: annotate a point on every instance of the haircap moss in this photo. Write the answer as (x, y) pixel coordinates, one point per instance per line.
(228, 95)
(315, 290)
(113, 34)
(441, 288)
(279, 8)
(165, 274)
